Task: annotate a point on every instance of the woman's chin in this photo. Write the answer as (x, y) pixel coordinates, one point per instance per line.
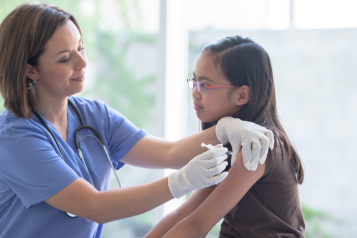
(77, 90)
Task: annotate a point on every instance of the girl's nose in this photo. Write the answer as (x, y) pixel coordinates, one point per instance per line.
(196, 94)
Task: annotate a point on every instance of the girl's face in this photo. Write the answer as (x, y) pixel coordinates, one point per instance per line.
(214, 104)
(61, 68)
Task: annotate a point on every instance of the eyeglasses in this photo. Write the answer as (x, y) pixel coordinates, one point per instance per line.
(201, 87)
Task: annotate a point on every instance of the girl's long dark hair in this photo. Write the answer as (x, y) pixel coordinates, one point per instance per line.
(244, 62)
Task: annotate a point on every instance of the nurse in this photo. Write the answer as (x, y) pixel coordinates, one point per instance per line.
(50, 189)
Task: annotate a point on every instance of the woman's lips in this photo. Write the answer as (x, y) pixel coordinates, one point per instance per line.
(196, 107)
(79, 79)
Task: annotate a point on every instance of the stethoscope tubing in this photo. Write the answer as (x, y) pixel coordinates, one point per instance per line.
(78, 144)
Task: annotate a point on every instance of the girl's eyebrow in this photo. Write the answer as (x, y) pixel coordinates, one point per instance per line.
(203, 78)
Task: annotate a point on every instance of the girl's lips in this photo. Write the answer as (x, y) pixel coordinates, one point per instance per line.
(79, 79)
(196, 107)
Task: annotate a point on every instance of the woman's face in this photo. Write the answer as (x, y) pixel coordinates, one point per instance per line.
(61, 68)
(214, 104)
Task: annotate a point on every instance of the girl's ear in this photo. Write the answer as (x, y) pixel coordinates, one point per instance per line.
(243, 95)
(31, 72)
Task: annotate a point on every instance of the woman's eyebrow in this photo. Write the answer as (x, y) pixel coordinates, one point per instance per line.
(63, 51)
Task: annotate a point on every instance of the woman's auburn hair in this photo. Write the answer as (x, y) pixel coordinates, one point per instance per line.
(244, 62)
(23, 36)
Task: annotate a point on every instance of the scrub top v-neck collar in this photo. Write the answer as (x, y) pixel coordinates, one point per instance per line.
(73, 123)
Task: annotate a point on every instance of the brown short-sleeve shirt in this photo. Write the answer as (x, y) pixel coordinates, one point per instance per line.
(271, 208)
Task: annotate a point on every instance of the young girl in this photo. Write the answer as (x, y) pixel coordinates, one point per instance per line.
(233, 77)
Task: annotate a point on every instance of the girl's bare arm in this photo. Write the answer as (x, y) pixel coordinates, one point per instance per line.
(226, 195)
(180, 213)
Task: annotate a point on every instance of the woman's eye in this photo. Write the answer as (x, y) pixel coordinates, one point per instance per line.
(65, 60)
(80, 49)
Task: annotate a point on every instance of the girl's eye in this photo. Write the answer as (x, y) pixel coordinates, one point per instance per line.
(80, 49)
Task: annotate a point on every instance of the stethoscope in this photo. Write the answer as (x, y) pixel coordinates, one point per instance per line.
(78, 145)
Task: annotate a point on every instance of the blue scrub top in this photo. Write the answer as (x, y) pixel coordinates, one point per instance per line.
(32, 170)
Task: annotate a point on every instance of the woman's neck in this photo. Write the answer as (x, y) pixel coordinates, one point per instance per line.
(54, 109)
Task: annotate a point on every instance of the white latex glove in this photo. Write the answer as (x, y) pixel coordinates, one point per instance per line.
(202, 171)
(254, 140)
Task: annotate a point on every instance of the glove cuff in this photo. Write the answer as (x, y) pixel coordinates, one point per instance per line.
(221, 130)
(178, 184)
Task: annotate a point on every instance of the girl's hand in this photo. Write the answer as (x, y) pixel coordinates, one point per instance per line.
(202, 171)
(254, 139)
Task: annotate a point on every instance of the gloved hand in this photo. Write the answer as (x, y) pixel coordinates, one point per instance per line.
(202, 171)
(254, 139)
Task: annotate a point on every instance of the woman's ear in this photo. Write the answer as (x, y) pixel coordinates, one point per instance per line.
(243, 95)
(31, 72)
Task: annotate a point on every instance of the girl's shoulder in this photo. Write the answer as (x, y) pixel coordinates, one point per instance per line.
(278, 164)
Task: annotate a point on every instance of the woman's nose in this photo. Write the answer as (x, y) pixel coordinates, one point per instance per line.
(82, 60)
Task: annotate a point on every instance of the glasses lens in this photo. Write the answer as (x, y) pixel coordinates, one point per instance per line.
(201, 87)
(190, 83)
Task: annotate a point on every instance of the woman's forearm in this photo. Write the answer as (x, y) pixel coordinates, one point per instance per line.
(82, 199)
(154, 152)
(127, 202)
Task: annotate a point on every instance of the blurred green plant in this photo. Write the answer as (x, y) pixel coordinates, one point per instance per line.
(115, 82)
(314, 220)
(2, 108)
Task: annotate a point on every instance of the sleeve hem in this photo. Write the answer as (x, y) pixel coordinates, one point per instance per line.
(50, 192)
(126, 147)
